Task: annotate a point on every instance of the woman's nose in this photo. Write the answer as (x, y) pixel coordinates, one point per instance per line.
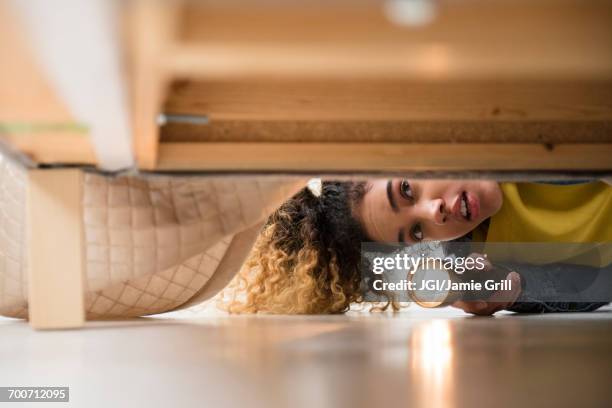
(437, 211)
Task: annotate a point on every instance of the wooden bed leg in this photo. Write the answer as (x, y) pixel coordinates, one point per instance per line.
(55, 249)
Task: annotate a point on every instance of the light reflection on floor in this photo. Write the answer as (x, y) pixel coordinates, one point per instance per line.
(431, 363)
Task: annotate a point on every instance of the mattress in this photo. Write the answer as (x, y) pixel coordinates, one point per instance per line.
(153, 243)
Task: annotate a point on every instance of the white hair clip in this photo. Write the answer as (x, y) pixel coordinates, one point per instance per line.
(315, 186)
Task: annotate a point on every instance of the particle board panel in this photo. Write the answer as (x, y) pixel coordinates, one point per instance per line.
(474, 131)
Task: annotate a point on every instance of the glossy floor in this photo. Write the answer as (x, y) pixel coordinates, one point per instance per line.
(428, 358)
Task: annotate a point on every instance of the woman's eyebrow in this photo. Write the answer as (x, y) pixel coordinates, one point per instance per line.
(392, 202)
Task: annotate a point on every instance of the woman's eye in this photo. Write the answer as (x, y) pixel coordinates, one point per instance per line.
(406, 190)
(417, 234)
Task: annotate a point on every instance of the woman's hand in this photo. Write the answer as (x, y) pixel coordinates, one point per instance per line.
(498, 300)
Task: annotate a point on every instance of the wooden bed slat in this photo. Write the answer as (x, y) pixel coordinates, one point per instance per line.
(347, 157)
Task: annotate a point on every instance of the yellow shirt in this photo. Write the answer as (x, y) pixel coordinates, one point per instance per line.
(548, 213)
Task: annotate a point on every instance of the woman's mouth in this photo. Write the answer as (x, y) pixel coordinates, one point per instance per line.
(467, 207)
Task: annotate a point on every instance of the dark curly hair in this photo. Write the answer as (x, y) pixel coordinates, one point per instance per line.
(307, 258)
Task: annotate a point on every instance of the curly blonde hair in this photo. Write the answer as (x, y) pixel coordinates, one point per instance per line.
(307, 258)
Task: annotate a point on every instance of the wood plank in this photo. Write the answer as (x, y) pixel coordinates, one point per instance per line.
(393, 100)
(381, 157)
(477, 22)
(418, 62)
(150, 25)
(56, 267)
(470, 39)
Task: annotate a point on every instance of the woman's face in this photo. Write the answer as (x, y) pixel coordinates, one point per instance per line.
(401, 210)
